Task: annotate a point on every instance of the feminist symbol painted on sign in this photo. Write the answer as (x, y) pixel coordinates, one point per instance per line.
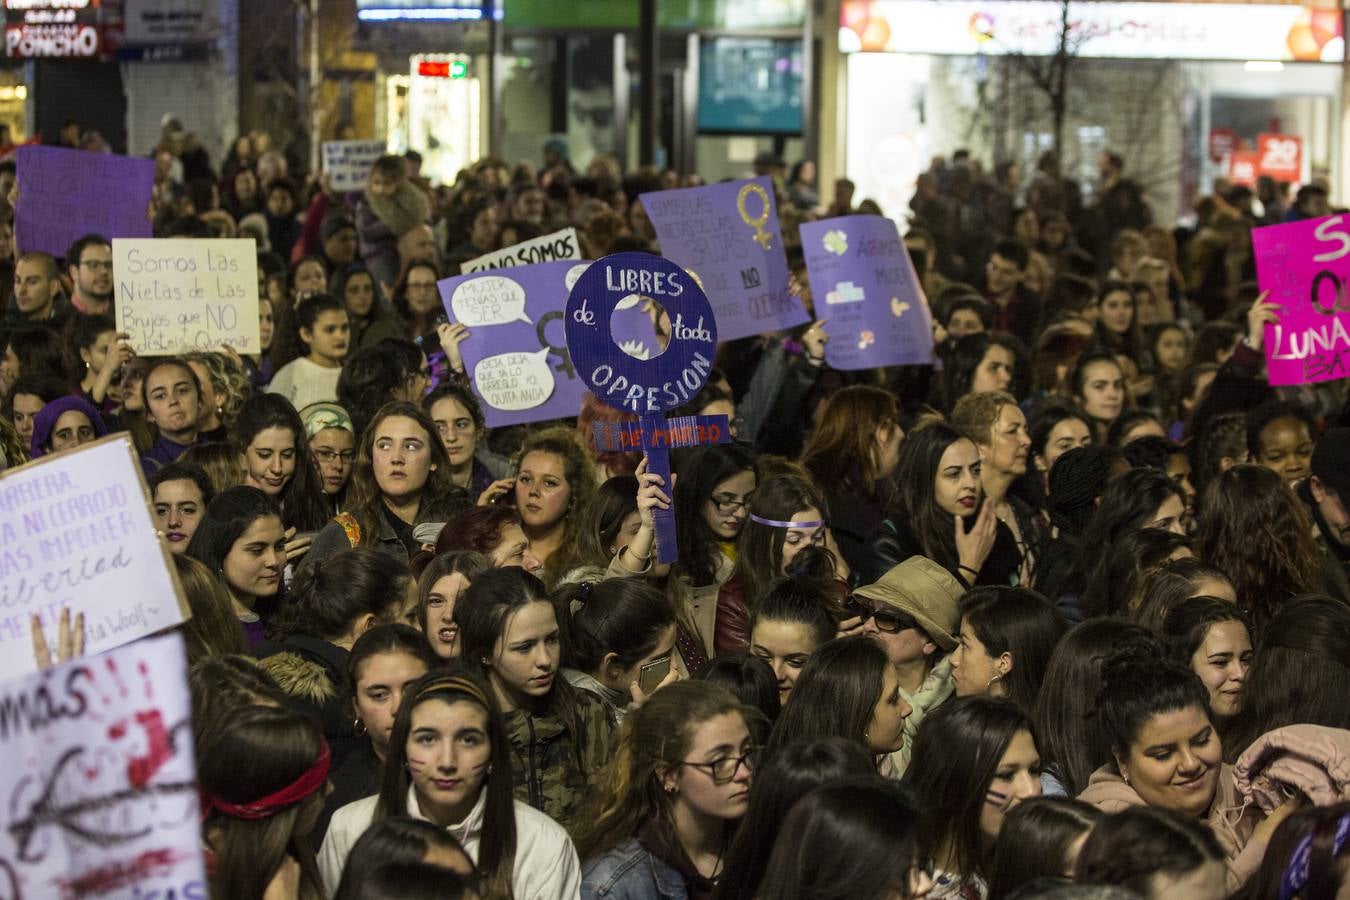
(765, 238)
(648, 387)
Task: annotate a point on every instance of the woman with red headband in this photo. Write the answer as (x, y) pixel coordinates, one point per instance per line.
(262, 770)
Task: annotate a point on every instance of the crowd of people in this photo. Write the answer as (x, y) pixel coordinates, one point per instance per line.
(1064, 613)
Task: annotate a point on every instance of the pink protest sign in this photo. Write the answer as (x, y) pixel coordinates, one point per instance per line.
(1306, 268)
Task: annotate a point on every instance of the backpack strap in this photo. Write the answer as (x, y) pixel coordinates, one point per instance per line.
(350, 526)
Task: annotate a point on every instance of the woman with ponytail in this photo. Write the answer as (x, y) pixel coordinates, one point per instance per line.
(668, 804)
(615, 629)
(333, 603)
(261, 771)
(449, 763)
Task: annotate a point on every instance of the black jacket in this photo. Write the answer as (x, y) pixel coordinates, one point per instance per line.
(893, 542)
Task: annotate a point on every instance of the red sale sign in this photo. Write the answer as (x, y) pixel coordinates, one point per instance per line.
(1280, 156)
(1243, 166)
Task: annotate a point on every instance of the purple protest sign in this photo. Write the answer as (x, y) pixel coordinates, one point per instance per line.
(66, 194)
(517, 353)
(865, 286)
(1306, 268)
(728, 236)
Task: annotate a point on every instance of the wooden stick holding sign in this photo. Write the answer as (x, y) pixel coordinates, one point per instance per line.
(648, 387)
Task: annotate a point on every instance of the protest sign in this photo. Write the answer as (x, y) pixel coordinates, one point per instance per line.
(864, 285)
(669, 376)
(1306, 268)
(99, 783)
(76, 532)
(559, 245)
(347, 163)
(727, 235)
(66, 194)
(516, 354)
(174, 295)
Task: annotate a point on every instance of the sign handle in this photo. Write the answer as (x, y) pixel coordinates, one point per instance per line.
(658, 463)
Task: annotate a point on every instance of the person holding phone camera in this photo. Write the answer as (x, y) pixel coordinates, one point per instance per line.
(619, 641)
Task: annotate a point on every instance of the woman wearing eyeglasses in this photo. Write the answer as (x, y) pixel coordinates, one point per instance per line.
(786, 516)
(914, 613)
(332, 443)
(663, 819)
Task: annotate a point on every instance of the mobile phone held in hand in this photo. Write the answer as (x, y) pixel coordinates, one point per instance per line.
(653, 673)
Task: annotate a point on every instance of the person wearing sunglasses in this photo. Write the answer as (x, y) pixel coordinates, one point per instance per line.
(914, 613)
(666, 810)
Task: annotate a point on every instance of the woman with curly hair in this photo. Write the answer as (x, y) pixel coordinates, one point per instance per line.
(225, 388)
(554, 482)
(1256, 531)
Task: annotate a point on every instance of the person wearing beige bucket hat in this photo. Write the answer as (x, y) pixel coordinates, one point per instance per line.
(913, 611)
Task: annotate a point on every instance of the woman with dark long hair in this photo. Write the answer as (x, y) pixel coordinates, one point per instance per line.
(1254, 529)
(878, 823)
(982, 361)
(439, 587)
(801, 767)
(1041, 838)
(1211, 636)
(272, 442)
(261, 770)
(1007, 637)
(852, 455)
(241, 538)
(1155, 854)
(449, 762)
(974, 760)
(939, 514)
(510, 637)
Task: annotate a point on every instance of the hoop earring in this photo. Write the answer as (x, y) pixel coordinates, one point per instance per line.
(990, 683)
(359, 727)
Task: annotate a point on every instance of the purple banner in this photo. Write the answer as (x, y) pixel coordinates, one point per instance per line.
(865, 287)
(727, 235)
(66, 194)
(516, 354)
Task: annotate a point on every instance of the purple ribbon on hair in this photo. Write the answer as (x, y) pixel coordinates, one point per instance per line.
(775, 523)
(1295, 877)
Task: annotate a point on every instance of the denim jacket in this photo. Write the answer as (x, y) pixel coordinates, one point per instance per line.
(630, 872)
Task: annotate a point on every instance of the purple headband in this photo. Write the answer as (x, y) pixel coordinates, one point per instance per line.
(45, 421)
(774, 523)
(1295, 877)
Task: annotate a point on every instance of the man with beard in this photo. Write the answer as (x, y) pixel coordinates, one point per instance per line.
(90, 266)
(1327, 491)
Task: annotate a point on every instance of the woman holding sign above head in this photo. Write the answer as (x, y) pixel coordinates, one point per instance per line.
(401, 479)
(242, 540)
(316, 341)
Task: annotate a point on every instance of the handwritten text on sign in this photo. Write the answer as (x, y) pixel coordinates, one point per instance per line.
(66, 194)
(98, 795)
(550, 248)
(347, 163)
(1306, 267)
(75, 531)
(174, 295)
(516, 351)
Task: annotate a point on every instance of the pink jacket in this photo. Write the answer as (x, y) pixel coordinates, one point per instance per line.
(1311, 759)
(1230, 818)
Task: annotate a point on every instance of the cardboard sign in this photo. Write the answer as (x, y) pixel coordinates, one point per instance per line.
(174, 295)
(347, 163)
(1306, 267)
(99, 783)
(516, 354)
(75, 531)
(66, 194)
(865, 286)
(1280, 156)
(728, 236)
(559, 245)
(652, 386)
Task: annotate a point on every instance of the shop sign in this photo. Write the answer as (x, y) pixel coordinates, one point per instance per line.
(1104, 30)
(1243, 167)
(79, 29)
(1222, 142)
(1281, 156)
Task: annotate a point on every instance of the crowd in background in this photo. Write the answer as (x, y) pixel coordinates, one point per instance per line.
(1063, 613)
